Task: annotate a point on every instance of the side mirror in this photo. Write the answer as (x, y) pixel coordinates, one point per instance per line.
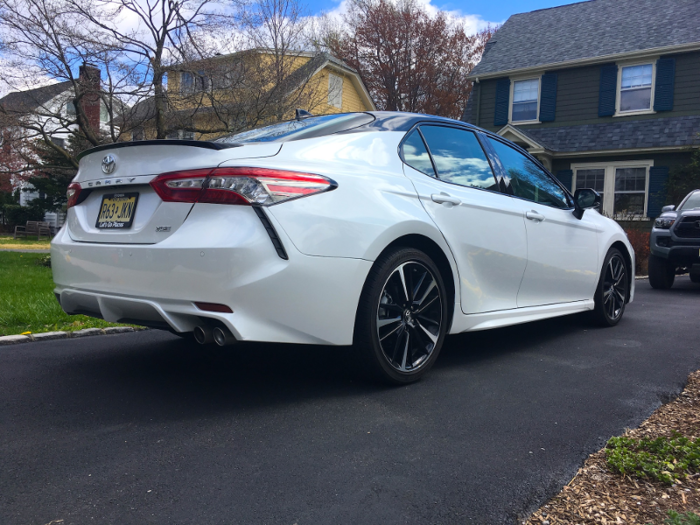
(670, 207)
(584, 199)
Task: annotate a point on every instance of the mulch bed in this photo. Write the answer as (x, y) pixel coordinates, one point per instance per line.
(597, 495)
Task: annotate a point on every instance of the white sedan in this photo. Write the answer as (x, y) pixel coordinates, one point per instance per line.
(386, 231)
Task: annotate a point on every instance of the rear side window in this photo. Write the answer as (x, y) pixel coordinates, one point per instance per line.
(527, 179)
(458, 157)
(416, 155)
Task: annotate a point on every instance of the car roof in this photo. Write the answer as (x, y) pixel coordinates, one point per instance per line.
(403, 121)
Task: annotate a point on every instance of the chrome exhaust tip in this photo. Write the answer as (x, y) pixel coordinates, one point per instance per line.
(223, 337)
(203, 334)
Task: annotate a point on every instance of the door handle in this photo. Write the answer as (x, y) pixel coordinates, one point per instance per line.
(534, 216)
(444, 198)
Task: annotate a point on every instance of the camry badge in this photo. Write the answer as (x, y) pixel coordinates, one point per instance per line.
(162, 229)
(108, 164)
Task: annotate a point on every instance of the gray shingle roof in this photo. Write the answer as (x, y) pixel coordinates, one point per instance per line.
(29, 100)
(633, 134)
(597, 28)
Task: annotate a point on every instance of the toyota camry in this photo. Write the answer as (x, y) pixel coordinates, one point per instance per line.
(386, 231)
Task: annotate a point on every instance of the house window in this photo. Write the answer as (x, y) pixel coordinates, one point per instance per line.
(180, 134)
(623, 186)
(58, 141)
(525, 100)
(636, 88)
(201, 82)
(593, 179)
(70, 109)
(630, 192)
(335, 90)
(186, 82)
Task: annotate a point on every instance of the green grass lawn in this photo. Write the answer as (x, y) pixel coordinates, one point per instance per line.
(27, 303)
(31, 243)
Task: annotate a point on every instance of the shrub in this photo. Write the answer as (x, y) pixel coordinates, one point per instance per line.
(662, 459)
(683, 179)
(19, 215)
(639, 240)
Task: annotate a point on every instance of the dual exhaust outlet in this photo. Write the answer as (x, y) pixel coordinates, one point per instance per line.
(205, 334)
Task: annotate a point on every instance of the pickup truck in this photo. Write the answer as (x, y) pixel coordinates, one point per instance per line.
(675, 243)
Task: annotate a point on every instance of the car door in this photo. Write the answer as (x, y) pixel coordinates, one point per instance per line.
(484, 228)
(562, 261)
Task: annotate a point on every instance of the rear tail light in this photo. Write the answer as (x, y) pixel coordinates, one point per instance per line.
(238, 186)
(73, 194)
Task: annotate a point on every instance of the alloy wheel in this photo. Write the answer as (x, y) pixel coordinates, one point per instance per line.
(615, 287)
(409, 317)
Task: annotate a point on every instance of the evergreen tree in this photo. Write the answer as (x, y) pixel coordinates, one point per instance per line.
(54, 174)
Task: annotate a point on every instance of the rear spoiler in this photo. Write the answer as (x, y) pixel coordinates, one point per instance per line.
(161, 142)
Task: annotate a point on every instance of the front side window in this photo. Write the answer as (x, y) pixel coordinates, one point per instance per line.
(458, 157)
(630, 192)
(635, 87)
(593, 179)
(415, 154)
(525, 97)
(527, 179)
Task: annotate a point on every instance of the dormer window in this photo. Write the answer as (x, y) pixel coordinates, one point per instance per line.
(526, 94)
(636, 88)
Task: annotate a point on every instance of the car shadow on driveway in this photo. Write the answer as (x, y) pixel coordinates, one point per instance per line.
(155, 376)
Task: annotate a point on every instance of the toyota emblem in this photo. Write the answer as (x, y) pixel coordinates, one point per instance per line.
(108, 164)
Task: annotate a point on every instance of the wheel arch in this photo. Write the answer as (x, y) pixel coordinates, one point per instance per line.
(445, 264)
(624, 250)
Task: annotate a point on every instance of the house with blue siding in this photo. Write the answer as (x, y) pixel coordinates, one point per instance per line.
(605, 93)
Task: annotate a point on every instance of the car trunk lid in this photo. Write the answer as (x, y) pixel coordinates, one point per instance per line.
(117, 204)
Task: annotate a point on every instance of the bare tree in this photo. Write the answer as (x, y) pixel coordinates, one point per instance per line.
(409, 60)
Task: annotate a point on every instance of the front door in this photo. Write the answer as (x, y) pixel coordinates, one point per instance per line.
(562, 261)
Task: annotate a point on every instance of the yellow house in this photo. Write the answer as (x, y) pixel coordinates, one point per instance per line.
(239, 91)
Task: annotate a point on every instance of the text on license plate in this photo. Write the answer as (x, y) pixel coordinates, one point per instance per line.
(117, 210)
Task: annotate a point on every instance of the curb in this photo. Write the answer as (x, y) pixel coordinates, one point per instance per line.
(48, 336)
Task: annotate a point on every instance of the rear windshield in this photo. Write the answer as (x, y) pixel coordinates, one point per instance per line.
(301, 129)
(692, 202)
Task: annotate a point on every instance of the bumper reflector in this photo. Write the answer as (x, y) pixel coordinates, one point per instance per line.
(214, 307)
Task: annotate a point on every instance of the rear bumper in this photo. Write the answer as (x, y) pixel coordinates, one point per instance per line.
(304, 299)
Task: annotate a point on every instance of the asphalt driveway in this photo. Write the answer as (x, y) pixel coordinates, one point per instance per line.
(142, 428)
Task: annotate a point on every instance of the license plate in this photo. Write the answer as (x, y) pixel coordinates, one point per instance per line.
(117, 211)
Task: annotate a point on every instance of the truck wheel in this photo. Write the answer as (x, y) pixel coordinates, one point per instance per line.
(661, 273)
(695, 274)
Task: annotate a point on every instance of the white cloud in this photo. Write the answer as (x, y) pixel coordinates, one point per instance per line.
(471, 22)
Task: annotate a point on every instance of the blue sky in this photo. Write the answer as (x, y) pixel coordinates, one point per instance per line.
(486, 10)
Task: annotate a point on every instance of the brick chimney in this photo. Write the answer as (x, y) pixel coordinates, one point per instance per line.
(89, 79)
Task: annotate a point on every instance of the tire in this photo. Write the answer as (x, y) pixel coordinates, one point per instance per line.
(694, 274)
(613, 289)
(402, 317)
(661, 273)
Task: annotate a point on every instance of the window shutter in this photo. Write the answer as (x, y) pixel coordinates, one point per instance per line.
(500, 117)
(658, 176)
(548, 101)
(608, 90)
(665, 80)
(565, 177)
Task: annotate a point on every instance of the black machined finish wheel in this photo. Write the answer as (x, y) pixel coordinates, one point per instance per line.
(613, 289)
(402, 317)
(409, 316)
